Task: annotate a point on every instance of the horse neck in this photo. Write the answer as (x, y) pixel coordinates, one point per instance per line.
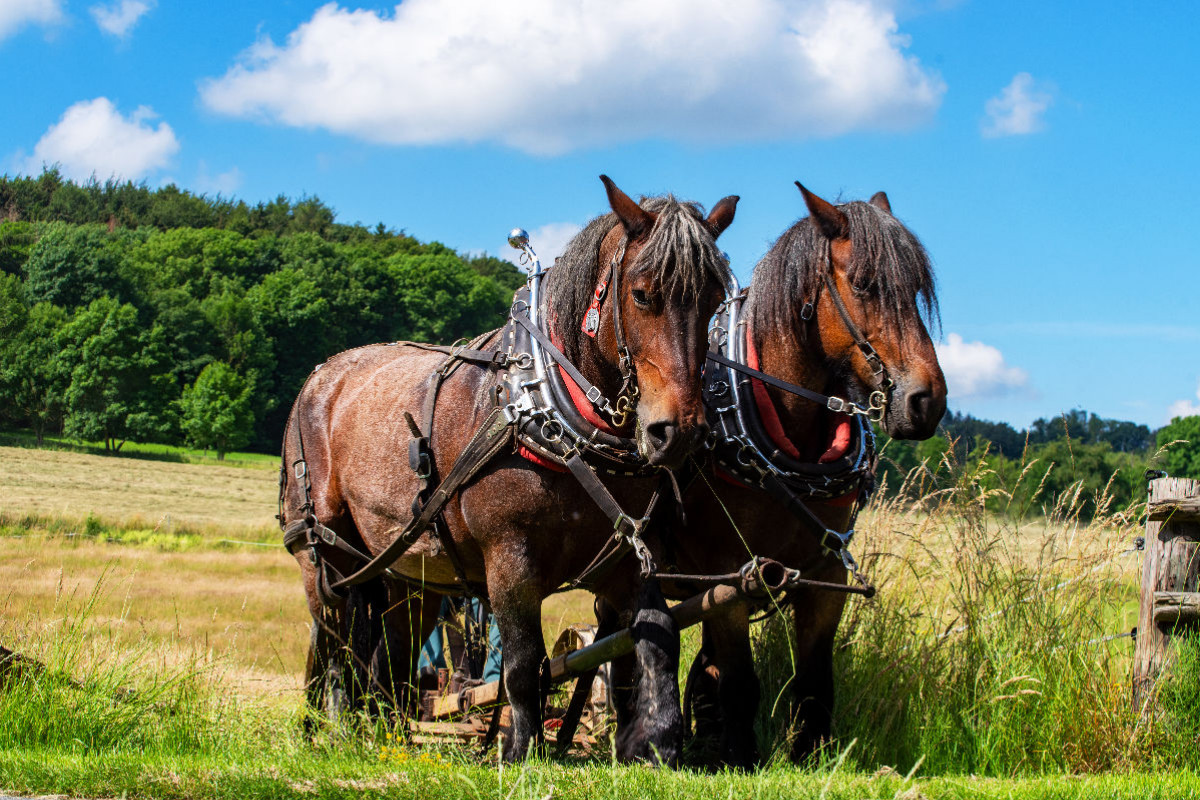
(799, 360)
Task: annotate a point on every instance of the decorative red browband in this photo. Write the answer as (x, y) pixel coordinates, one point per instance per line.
(591, 318)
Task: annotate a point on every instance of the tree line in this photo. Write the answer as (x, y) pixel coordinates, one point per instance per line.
(1028, 469)
(158, 315)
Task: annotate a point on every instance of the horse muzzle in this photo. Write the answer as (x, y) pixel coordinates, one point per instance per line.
(666, 443)
(914, 412)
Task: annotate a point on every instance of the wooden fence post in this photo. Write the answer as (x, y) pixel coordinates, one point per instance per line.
(1170, 602)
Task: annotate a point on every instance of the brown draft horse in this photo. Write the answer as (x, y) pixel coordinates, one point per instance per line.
(521, 530)
(883, 275)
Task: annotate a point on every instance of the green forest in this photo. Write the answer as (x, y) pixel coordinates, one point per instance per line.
(158, 315)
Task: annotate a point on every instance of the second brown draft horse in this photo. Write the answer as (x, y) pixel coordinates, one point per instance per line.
(839, 306)
(627, 304)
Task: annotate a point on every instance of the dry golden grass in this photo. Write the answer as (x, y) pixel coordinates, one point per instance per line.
(244, 609)
(56, 483)
(241, 606)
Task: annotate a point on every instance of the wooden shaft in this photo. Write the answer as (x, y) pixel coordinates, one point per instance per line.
(690, 612)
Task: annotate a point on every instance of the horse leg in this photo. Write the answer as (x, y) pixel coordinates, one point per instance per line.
(328, 676)
(655, 732)
(517, 604)
(738, 692)
(621, 670)
(702, 724)
(816, 615)
(324, 679)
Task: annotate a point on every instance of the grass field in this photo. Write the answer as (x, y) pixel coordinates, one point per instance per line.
(976, 669)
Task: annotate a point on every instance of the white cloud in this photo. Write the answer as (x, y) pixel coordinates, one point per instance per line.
(547, 241)
(119, 18)
(14, 14)
(546, 76)
(1018, 109)
(975, 369)
(94, 138)
(1184, 408)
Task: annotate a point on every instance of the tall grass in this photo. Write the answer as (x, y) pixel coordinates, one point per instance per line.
(985, 650)
(982, 655)
(76, 688)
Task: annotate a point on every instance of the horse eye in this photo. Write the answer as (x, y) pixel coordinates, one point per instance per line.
(640, 298)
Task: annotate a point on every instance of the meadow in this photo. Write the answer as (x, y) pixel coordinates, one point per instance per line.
(173, 629)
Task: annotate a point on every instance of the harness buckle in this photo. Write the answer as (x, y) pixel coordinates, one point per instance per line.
(806, 311)
(627, 525)
(326, 534)
(874, 361)
(594, 395)
(300, 468)
(836, 404)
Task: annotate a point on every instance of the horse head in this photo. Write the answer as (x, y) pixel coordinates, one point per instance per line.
(855, 288)
(658, 277)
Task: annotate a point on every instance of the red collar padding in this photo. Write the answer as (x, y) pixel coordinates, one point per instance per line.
(839, 441)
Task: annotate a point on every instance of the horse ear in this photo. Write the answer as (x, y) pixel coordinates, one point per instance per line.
(635, 218)
(880, 201)
(721, 217)
(830, 219)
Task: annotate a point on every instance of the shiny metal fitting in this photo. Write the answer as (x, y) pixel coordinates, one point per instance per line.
(518, 238)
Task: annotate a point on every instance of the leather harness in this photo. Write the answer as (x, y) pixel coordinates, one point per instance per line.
(532, 411)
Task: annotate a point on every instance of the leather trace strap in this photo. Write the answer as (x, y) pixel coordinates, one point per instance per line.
(491, 438)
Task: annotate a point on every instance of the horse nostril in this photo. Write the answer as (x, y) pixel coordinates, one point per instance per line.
(923, 406)
(660, 434)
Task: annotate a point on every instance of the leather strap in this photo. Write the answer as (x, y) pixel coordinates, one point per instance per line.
(492, 437)
(593, 393)
(816, 397)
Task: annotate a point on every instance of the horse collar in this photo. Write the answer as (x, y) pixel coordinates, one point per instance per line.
(743, 440)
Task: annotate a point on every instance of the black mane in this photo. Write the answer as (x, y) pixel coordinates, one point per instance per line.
(680, 251)
(889, 264)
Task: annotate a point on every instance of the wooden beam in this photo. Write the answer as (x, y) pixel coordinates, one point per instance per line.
(1183, 509)
(484, 695)
(1174, 608)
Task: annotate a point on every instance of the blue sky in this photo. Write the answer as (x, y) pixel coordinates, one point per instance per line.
(1044, 152)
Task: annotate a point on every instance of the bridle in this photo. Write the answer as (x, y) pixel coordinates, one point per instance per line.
(878, 400)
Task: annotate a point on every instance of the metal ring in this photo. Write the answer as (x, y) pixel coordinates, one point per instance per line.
(556, 431)
(721, 338)
(523, 361)
(744, 449)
